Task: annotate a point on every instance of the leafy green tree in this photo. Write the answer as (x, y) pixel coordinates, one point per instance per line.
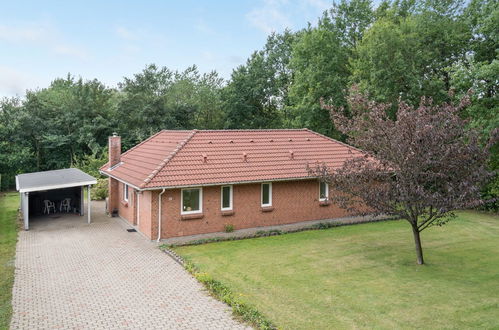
(257, 94)
(320, 67)
(349, 19)
(407, 52)
(159, 98)
(482, 17)
(70, 117)
(385, 66)
(15, 154)
(320, 63)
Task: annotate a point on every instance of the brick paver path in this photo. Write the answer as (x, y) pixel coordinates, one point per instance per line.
(71, 275)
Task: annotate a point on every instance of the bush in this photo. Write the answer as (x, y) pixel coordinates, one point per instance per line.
(228, 228)
(99, 191)
(223, 293)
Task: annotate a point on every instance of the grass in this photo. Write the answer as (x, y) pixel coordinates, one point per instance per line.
(9, 203)
(365, 276)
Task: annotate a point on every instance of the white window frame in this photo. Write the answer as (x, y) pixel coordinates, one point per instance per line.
(200, 201)
(270, 194)
(230, 198)
(125, 192)
(323, 199)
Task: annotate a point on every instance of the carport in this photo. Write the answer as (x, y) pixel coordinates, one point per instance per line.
(55, 186)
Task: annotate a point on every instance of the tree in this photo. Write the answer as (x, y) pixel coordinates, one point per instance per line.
(349, 19)
(159, 98)
(320, 63)
(419, 167)
(482, 17)
(408, 50)
(257, 94)
(320, 67)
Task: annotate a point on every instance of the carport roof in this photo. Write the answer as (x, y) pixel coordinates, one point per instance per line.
(65, 178)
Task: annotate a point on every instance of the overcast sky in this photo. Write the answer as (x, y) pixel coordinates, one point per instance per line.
(107, 40)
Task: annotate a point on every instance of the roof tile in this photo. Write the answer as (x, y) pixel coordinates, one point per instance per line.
(173, 158)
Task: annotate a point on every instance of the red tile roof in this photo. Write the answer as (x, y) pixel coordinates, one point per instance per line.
(198, 157)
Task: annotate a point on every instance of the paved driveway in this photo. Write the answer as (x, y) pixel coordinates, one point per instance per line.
(73, 275)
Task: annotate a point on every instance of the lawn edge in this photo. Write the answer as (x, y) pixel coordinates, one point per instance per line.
(8, 302)
(223, 293)
(275, 232)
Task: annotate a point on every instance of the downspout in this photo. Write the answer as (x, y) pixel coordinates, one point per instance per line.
(159, 215)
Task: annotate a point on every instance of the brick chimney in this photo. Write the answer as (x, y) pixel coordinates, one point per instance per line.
(114, 155)
(114, 150)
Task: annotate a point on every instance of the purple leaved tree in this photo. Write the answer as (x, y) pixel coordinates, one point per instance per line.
(420, 167)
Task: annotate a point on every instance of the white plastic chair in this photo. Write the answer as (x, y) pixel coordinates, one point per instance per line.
(49, 205)
(65, 205)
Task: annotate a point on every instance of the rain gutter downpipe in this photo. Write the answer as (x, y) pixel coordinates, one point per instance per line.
(159, 215)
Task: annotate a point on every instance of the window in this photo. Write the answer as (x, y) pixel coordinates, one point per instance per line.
(266, 194)
(323, 191)
(125, 192)
(226, 198)
(192, 201)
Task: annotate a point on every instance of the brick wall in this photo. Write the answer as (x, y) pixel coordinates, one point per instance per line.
(145, 223)
(126, 210)
(113, 200)
(292, 201)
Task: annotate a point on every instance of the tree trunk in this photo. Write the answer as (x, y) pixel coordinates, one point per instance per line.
(417, 241)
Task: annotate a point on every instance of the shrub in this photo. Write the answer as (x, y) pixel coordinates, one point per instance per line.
(228, 228)
(99, 191)
(223, 293)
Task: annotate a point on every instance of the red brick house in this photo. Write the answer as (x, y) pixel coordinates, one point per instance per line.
(179, 183)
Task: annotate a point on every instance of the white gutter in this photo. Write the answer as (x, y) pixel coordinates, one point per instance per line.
(231, 183)
(120, 180)
(58, 186)
(159, 215)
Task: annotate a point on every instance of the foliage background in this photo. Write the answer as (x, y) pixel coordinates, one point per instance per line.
(399, 49)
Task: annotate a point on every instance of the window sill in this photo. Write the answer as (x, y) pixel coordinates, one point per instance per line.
(324, 203)
(227, 213)
(191, 216)
(124, 203)
(267, 208)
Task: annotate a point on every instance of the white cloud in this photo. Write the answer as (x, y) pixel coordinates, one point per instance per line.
(29, 33)
(72, 51)
(236, 59)
(126, 34)
(271, 16)
(13, 82)
(319, 4)
(203, 27)
(41, 34)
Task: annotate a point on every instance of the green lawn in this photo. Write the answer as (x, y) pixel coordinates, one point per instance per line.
(365, 276)
(8, 236)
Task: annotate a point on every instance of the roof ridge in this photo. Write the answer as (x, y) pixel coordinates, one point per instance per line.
(330, 138)
(252, 129)
(168, 158)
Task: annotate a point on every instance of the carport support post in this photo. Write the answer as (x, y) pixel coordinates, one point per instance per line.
(89, 204)
(25, 205)
(82, 200)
